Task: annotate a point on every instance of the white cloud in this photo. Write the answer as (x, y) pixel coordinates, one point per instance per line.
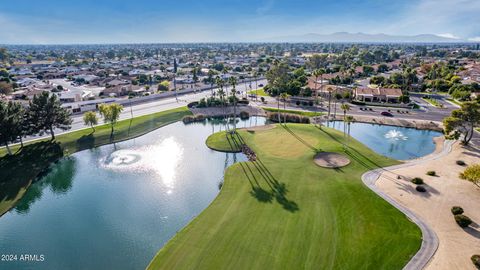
(448, 35)
(475, 39)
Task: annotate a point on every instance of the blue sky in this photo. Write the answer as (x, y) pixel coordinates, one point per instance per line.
(109, 21)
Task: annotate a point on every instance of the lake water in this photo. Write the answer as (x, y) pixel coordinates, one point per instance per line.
(115, 206)
(396, 142)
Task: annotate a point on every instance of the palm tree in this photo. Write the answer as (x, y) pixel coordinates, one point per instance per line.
(233, 82)
(330, 90)
(211, 80)
(284, 98)
(221, 93)
(345, 107)
(255, 75)
(318, 73)
(348, 120)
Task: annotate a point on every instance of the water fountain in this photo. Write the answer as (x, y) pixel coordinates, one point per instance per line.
(395, 135)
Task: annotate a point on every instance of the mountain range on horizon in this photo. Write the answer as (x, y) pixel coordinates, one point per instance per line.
(363, 37)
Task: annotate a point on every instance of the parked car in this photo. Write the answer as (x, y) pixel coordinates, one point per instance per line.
(387, 114)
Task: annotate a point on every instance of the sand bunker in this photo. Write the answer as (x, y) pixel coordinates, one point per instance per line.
(331, 160)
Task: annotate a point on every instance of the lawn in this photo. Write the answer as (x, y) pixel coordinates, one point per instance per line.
(260, 92)
(18, 171)
(303, 113)
(433, 102)
(284, 212)
(454, 101)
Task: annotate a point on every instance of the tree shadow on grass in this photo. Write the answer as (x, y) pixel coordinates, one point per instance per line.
(86, 142)
(277, 190)
(300, 139)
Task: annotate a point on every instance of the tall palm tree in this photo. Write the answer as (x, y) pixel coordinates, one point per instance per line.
(348, 120)
(233, 81)
(284, 97)
(317, 73)
(220, 84)
(345, 107)
(330, 90)
(255, 75)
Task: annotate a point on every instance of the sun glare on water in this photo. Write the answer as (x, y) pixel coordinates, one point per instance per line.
(162, 159)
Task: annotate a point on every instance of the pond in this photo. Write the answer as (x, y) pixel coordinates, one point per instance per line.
(115, 206)
(395, 142)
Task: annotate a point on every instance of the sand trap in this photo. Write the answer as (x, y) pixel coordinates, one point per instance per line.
(331, 160)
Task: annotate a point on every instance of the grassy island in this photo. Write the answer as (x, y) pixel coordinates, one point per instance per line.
(284, 212)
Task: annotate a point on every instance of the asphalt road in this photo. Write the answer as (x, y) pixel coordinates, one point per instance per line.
(149, 107)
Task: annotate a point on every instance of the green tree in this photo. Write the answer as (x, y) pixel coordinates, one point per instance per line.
(233, 81)
(163, 86)
(11, 118)
(472, 174)
(110, 113)
(345, 108)
(318, 73)
(46, 114)
(5, 88)
(463, 121)
(90, 119)
(284, 97)
(3, 55)
(348, 120)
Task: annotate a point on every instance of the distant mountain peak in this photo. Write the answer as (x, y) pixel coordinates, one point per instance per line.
(367, 38)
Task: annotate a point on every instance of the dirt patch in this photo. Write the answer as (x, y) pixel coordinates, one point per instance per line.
(331, 160)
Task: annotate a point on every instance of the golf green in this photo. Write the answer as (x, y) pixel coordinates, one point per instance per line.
(284, 212)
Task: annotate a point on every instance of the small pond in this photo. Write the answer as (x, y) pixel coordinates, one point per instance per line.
(115, 206)
(395, 142)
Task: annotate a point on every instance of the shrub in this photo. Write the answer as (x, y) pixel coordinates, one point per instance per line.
(290, 117)
(457, 210)
(420, 189)
(461, 162)
(431, 173)
(187, 119)
(192, 104)
(200, 117)
(462, 220)
(243, 101)
(476, 260)
(417, 181)
(244, 115)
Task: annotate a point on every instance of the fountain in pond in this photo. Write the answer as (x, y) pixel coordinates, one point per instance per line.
(395, 135)
(122, 158)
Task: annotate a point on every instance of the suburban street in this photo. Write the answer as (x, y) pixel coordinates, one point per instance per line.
(150, 107)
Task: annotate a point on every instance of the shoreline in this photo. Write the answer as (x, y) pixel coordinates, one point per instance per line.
(398, 122)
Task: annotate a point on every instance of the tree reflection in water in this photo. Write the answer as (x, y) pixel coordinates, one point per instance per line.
(59, 180)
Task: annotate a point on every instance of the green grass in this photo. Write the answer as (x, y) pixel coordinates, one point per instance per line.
(18, 171)
(303, 113)
(284, 212)
(454, 101)
(433, 102)
(260, 92)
